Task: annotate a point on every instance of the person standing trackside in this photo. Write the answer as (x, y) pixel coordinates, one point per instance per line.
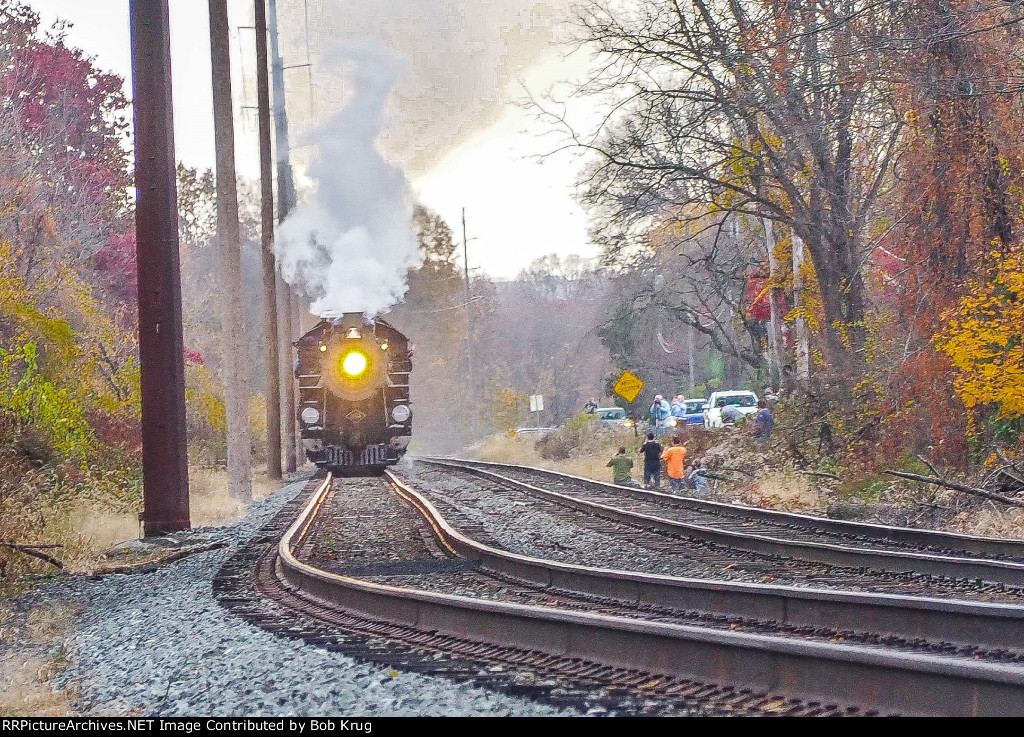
(621, 465)
(675, 458)
(652, 462)
(660, 411)
(590, 407)
(763, 423)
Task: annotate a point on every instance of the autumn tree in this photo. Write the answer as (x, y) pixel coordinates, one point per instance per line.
(958, 186)
(432, 314)
(984, 340)
(774, 111)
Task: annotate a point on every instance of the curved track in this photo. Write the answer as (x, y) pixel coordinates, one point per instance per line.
(957, 558)
(665, 652)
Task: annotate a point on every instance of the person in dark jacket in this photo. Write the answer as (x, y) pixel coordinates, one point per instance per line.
(763, 423)
(652, 462)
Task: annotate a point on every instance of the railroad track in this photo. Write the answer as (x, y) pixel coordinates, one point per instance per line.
(628, 659)
(984, 564)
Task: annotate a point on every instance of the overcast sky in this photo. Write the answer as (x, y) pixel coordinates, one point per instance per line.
(455, 124)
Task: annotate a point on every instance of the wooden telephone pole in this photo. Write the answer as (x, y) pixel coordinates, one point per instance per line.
(273, 370)
(161, 344)
(235, 368)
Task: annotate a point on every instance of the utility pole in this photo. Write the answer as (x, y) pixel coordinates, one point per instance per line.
(469, 333)
(161, 344)
(285, 203)
(235, 370)
(273, 370)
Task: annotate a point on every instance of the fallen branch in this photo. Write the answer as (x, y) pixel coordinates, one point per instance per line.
(956, 487)
(148, 566)
(1009, 463)
(931, 468)
(32, 550)
(1016, 470)
(824, 474)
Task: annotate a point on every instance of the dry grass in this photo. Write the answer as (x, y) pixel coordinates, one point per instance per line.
(25, 672)
(788, 491)
(591, 464)
(991, 522)
(31, 644)
(87, 530)
(774, 489)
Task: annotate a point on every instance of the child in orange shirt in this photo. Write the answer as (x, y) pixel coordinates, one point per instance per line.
(675, 457)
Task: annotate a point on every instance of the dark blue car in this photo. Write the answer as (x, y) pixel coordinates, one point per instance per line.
(694, 411)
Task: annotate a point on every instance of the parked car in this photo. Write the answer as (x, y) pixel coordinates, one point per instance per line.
(744, 401)
(694, 411)
(612, 417)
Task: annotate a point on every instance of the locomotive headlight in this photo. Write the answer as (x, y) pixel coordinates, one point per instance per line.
(400, 413)
(310, 415)
(354, 363)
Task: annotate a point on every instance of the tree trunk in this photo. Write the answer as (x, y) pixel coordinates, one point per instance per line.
(690, 339)
(233, 344)
(803, 355)
(776, 345)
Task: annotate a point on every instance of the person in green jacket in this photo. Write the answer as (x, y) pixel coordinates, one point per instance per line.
(621, 465)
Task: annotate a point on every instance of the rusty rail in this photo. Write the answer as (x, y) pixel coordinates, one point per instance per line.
(949, 566)
(850, 674)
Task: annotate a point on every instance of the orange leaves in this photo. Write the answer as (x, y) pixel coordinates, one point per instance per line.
(984, 340)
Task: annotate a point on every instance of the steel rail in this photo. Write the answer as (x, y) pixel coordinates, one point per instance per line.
(997, 571)
(992, 626)
(850, 674)
(975, 544)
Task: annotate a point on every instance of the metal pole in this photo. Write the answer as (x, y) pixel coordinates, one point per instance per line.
(273, 371)
(285, 203)
(161, 345)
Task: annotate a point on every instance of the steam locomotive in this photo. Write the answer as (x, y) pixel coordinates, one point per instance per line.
(354, 409)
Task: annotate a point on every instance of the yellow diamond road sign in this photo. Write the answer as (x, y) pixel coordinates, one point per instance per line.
(628, 386)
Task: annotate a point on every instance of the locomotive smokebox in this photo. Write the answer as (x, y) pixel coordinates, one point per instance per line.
(354, 405)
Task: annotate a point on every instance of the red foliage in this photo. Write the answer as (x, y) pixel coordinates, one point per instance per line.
(70, 108)
(193, 358)
(929, 417)
(756, 299)
(121, 431)
(117, 262)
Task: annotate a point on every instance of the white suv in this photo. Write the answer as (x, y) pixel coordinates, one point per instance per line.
(744, 401)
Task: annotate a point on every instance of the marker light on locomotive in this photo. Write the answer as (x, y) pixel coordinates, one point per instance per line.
(354, 363)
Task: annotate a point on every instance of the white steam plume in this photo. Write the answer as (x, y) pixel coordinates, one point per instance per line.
(348, 246)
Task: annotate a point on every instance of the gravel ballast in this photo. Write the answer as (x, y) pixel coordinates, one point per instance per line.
(159, 644)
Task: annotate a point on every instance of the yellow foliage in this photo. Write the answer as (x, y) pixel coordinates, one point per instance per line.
(984, 339)
(205, 397)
